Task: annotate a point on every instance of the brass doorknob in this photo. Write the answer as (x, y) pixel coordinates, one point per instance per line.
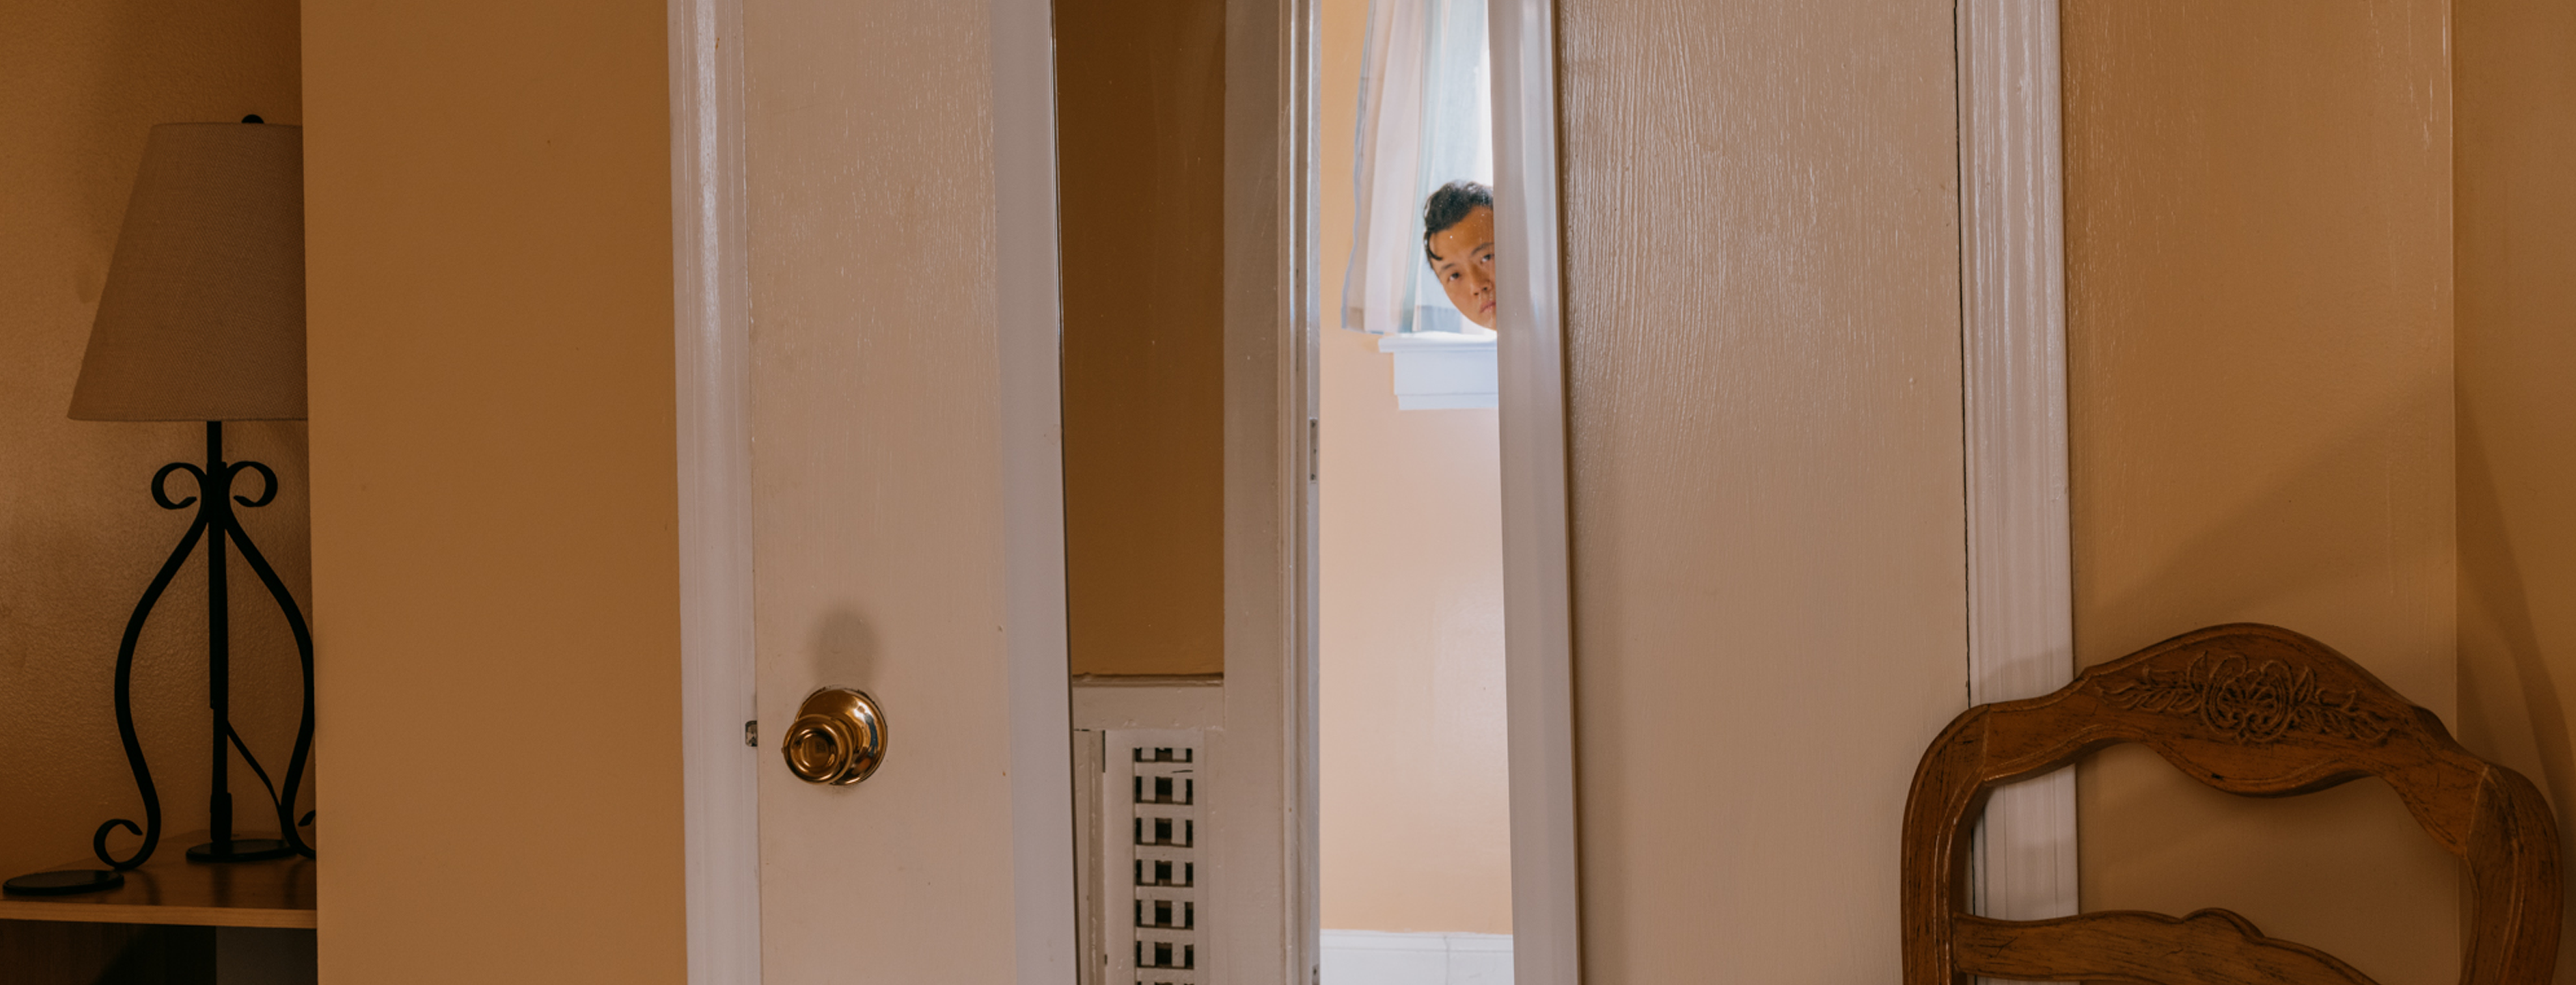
(839, 737)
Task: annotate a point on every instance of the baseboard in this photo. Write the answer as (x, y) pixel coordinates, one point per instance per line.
(1370, 957)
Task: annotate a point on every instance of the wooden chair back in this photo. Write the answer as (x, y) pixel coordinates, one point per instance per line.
(2252, 710)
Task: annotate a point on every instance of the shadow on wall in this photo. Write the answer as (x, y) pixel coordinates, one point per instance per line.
(845, 648)
(2284, 553)
(2340, 532)
(2494, 596)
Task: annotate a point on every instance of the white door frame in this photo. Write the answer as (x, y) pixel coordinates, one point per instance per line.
(2021, 638)
(710, 268)
(1029, 306)
(1538, 597)
(1262, 908)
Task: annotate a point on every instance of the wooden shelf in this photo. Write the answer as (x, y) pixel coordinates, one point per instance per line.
(172, 890)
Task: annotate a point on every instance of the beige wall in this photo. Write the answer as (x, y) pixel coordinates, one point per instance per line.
(79, 534)
(1141, 130)
(1416, 792)
(488, 220)
(2259, 328)
(1763, 310)
(2515, 221)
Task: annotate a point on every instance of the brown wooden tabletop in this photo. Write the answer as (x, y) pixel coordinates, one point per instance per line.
(172, 890)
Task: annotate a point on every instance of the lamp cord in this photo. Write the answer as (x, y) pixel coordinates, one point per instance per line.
(254, 766)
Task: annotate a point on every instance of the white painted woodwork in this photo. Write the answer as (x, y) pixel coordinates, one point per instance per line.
(1031, 445)
(1105, 709)
(1148, 703)
(1294, 473)
(712, 322)
(2020, 607)
(1538, 639)
(1763, 325)
(1373, 957)
(1154, 893)
(906, 505)
(1263, 838)
(1442, 370)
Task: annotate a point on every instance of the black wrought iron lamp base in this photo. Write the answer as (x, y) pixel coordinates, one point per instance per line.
(64, 883)
(218, 528)
(241, 850)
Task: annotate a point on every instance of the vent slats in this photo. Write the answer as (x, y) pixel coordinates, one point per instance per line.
(1150, 851)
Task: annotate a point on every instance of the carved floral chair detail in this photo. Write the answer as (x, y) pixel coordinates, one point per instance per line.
(2252, 710)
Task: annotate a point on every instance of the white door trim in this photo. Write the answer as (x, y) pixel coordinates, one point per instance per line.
(1028, 303)
(2021, 640)
(1262, 822)
(1538, 613)
(711, 315)
(1301, 328)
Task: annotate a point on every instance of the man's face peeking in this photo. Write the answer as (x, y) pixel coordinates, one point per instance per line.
(1463, 259)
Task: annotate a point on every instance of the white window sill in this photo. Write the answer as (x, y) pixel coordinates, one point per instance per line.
(1443, 370)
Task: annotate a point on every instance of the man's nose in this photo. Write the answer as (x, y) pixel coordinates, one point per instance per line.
(1480, 279)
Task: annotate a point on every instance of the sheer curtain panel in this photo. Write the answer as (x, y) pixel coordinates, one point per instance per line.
(1425, 119)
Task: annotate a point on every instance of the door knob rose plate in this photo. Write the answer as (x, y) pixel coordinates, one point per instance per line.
(838, 737)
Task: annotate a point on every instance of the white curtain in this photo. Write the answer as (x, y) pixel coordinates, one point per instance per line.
(1425, 119)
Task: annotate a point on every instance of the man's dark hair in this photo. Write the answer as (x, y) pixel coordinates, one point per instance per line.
(1449, 206)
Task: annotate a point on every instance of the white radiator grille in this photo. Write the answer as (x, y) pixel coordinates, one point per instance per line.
(1151, 783)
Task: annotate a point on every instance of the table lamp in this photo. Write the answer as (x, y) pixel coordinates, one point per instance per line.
(202, 319)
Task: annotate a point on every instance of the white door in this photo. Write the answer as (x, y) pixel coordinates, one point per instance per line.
(870, 485)
(905, 503)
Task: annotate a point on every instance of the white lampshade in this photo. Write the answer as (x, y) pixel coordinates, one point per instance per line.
(202, 317)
